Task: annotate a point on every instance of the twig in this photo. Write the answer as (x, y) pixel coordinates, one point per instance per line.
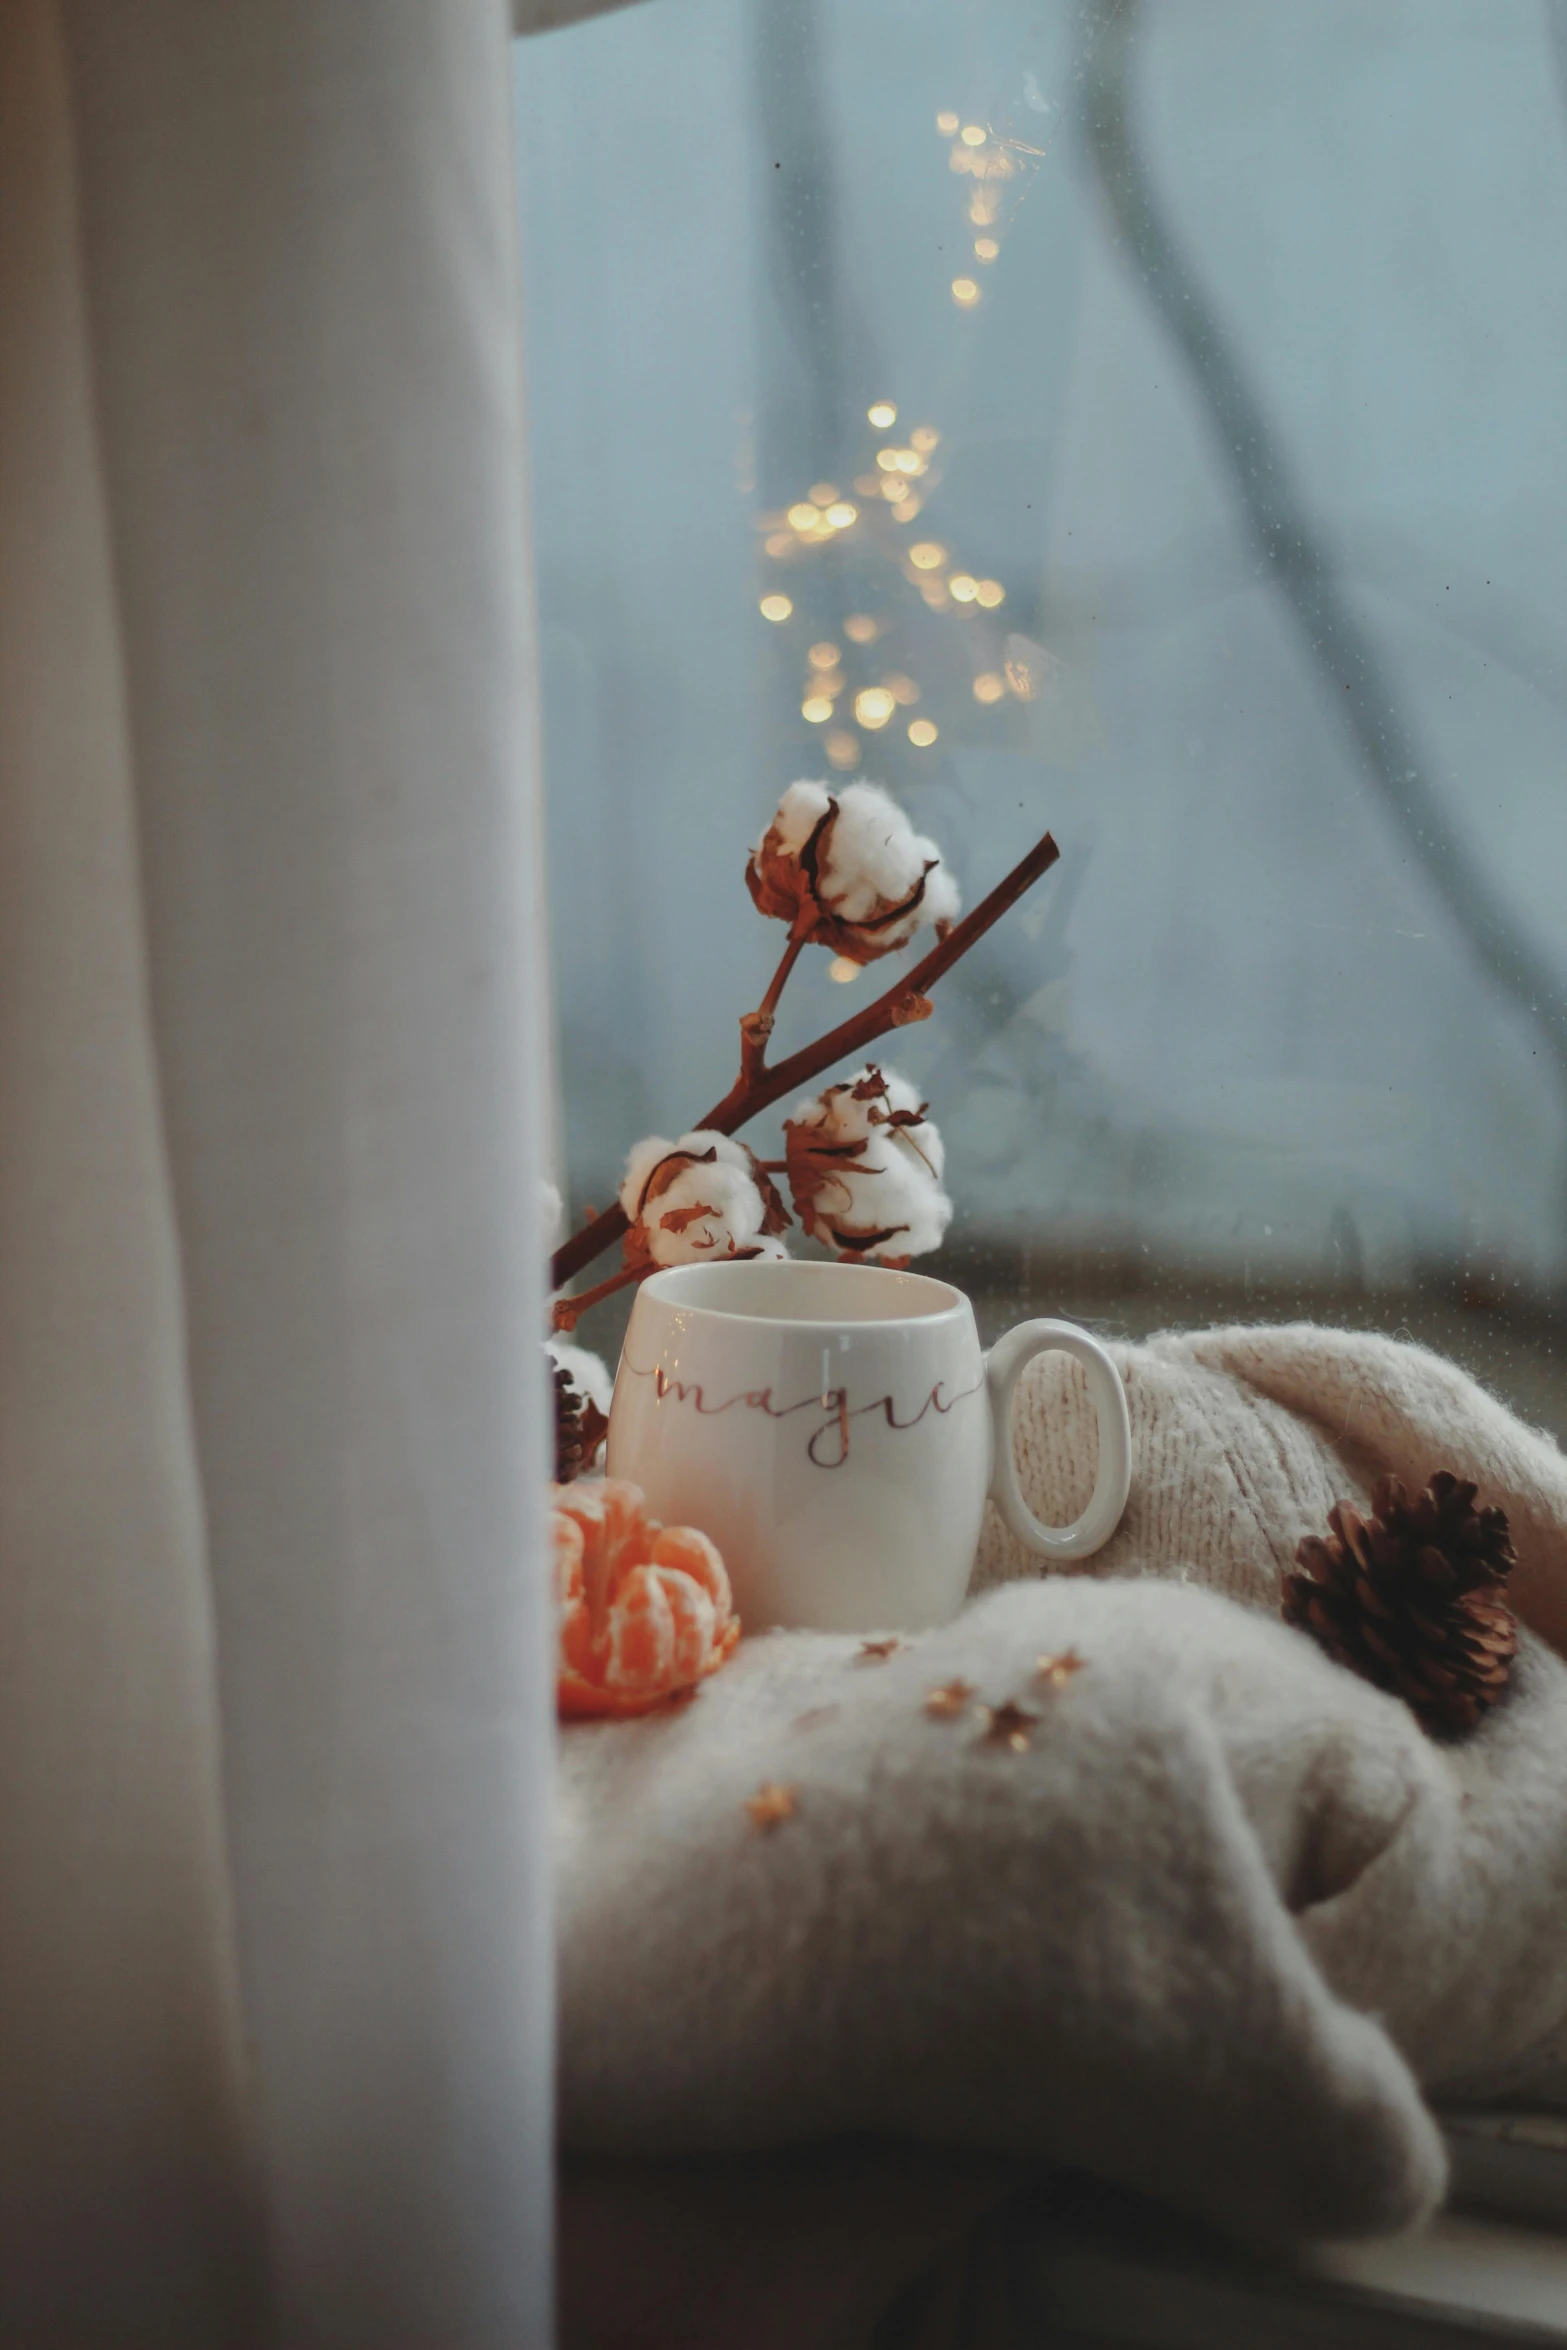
(567, 1311)
(755, 1091)
(756, 1027)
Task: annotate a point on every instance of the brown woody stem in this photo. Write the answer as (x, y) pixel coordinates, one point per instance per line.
(568, 1310)
(791, 955)
(756, 1027)
(757, 1088)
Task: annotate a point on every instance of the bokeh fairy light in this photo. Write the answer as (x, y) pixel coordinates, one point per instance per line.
(901, 580)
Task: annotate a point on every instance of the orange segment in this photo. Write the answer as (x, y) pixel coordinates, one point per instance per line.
(641, 1636)
(696, 1556)
(693, 1623)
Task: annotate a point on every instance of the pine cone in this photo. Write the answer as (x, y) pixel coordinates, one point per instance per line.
(579, 1428)
(1413, 1598)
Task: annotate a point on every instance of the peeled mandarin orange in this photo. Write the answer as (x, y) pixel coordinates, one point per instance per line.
(645, 1609)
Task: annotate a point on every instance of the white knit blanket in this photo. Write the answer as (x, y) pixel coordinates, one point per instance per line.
(1212, 1932)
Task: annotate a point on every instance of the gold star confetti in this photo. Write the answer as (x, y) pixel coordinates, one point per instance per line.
(947, 1702)
(770, 1806)
(1058, 1670)
(1007, 1725)
(876, 1652)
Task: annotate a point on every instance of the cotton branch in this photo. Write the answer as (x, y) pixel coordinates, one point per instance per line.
(756, 1027)
(758, 1086)
(568, 1311)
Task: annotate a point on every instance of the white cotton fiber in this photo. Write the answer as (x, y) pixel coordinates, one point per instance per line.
(701, 1208)
(892, 1183)
(588, 1372)
(875, 859)
(869, 862)
(843, 1118)
(799, 812)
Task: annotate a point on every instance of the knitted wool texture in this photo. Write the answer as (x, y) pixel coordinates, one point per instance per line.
(1211, 1934)
(1244, 1438)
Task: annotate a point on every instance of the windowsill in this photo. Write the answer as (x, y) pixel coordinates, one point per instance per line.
(1469, 2267)
(1095, 2268)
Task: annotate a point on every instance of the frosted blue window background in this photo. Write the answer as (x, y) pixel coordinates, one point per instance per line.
(1232, 340)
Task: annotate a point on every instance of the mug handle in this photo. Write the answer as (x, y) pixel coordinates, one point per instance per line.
(1004, 1367)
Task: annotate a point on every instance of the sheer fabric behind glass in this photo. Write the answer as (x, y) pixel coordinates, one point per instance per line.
(1242, 336)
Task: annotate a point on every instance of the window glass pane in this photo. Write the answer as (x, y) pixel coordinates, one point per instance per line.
(1230, 343)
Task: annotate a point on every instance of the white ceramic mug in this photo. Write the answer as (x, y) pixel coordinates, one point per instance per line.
(835, 1429)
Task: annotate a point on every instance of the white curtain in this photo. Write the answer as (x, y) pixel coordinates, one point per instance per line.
(274, 1706)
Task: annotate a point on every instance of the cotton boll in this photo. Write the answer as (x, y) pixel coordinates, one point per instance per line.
(691, 1201)
(865, 1167)
(707, 1211)
(641, 1160)
(872, 1099)
(852, 869)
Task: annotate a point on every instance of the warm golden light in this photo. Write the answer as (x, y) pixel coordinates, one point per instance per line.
(874, 706)
(982, 162)
(861, 629)
(973, 134)
(882, 413)
(824, 492)
(927, 556)
(843, 748)
(827, 681)
(986, 248)
(947, 122)
(965, 293)
(817, 708)
(990, 593)
(902, 689)
(894, 486)
(983, 206)
(840, 514)
(804, 516)
(964, 589)
(988, 687)
(779, 542)
(924, 438)
(907, 507)
(776, 607)
(867, 484)
(922, 734)
(823, 656)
